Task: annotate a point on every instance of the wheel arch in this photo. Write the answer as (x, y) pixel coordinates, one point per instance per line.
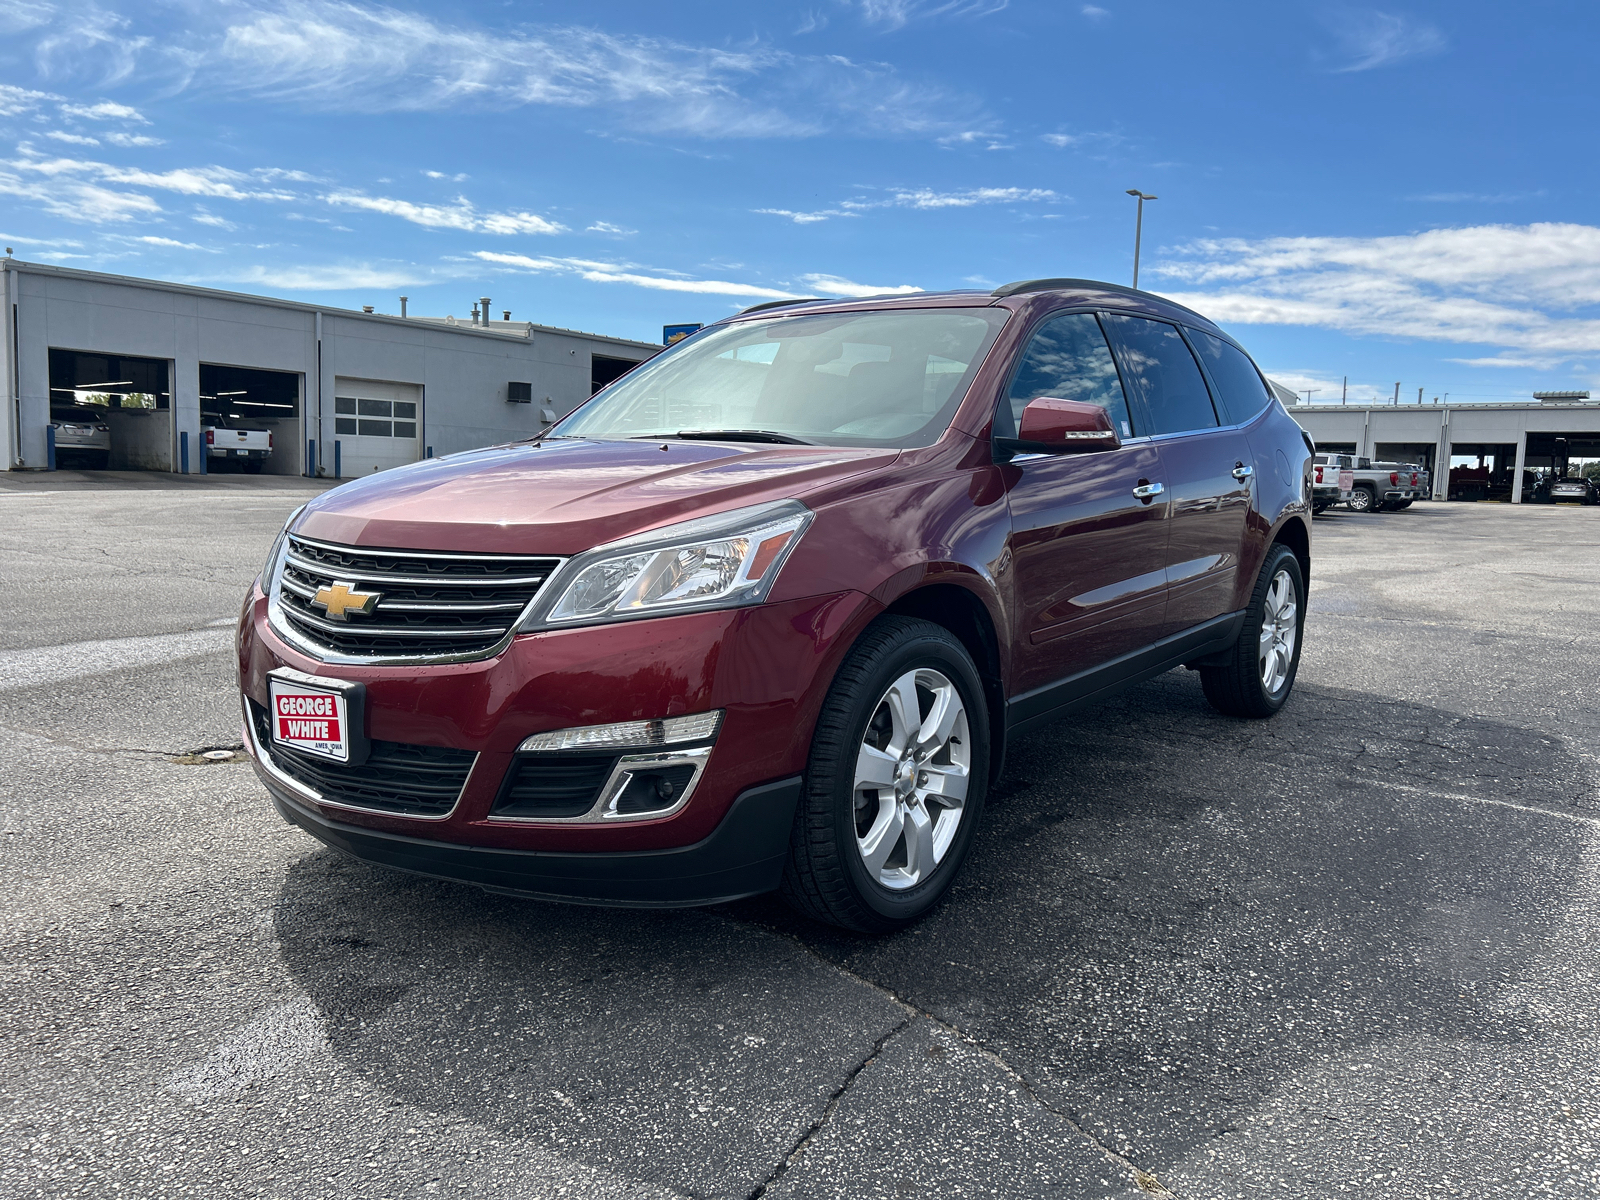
(1294, 534)
(960, 611)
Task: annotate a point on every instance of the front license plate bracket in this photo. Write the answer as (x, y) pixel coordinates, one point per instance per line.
(323, 717)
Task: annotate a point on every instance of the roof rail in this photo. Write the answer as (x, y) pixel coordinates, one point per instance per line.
(1050, 285)
(784, 303)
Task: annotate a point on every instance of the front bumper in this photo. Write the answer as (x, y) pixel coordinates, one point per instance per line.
(766, 668)
(743, 856)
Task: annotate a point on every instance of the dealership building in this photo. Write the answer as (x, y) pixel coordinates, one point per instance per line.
(1504, 440)
(341, 392)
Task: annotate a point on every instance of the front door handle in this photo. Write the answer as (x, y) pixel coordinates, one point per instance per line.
(1242, 472)
(1148, 491)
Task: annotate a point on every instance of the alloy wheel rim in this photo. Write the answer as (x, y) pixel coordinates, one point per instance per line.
(1279, 629)
(911, 777)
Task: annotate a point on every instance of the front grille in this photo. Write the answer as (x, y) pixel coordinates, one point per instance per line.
(398, 778)
(430, 603)
(550, 786)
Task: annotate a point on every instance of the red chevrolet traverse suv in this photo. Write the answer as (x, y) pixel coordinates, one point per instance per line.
(764, 613)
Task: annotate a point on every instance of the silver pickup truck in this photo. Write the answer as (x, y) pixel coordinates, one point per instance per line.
(1378, 486)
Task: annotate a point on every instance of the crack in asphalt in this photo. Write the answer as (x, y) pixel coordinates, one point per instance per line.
(148, 751)
(804, 1141)
(1145, 1180)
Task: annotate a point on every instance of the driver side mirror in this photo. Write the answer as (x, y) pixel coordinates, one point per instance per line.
(1053, 426)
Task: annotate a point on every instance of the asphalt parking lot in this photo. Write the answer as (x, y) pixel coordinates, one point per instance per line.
(1354, 949)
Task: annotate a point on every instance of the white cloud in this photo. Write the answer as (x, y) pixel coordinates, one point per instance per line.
(921, 198)
(608, 227)
(16, 101)
(806, 218)
(133, 139)
(835, 286)
(599, 272)
(1324, 389)
(75, 139)
(457, 178)
(77, 200)
(221, 183)
(928, 198)
(338, 56)
(211, 219)
(169, 242)
(106, 110)
(1376, 39)
(1094, 12)
(331, 278)
(897, 14)
(460, 215)
(1524, 287)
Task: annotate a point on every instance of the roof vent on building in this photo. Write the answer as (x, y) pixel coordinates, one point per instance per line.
(1561, 397)
(366, 308)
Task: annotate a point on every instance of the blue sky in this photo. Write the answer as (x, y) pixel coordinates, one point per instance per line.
(1389, 194)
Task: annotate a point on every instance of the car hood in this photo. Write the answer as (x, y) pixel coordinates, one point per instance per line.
(564, 496)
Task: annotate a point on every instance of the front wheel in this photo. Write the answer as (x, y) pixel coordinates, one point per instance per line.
(1363, 500)
(1259, 674)
(895, 783)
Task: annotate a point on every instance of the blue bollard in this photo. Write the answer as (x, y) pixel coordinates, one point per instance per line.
(336, 460)
(311, 457)
(183, 452)
(49, 447)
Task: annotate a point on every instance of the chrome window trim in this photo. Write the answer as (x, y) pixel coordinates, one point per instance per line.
(263, 761)
(337, 548)
(604, 809)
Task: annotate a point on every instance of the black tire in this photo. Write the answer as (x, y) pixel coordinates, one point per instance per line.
(826, 878)
(1364, 499)
(1318, 509)
(1403, 505)
(253, 466)
(1236, 689)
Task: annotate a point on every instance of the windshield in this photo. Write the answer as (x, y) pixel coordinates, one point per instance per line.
(886, 378)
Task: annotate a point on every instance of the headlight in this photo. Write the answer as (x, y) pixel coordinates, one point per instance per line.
(270, 568)
(725, 561)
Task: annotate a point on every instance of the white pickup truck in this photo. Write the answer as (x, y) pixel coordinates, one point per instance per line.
(246, 448)
(1332, 480)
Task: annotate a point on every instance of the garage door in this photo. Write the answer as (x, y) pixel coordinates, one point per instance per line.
(376, 424)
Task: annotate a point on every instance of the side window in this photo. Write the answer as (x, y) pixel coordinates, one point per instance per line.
(1236, 377)
(1067, 358)
(1162, 374)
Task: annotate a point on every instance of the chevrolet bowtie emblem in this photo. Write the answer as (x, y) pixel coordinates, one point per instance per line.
(339, 599)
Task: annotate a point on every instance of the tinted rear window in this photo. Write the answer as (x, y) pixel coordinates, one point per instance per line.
(1236, 377)
(1162, 373)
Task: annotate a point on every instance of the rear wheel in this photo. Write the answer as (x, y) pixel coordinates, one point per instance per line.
(1261, 667)
(895, 783)
(1363, 500)
(1318, 509)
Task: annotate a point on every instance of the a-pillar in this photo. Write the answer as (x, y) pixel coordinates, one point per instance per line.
(1516, 478)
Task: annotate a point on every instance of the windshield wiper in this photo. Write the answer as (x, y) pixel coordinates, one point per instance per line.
(741, 435)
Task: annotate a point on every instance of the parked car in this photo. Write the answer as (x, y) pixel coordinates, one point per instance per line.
(247, 449)
(82, 435)
(766, 612)
(1332, 481)
(1570, 489)
(1379, 486)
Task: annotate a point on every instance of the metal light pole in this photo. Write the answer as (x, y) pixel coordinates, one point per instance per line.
(1138, 230)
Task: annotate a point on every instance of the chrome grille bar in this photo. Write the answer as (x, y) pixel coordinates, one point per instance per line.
(431, 606)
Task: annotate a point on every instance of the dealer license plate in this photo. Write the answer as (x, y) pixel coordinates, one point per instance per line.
(310, 720)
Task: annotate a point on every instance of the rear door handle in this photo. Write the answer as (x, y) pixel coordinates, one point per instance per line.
(1148, 491)
(1243, 472)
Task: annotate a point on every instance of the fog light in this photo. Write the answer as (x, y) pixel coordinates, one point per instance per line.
(668, 731)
